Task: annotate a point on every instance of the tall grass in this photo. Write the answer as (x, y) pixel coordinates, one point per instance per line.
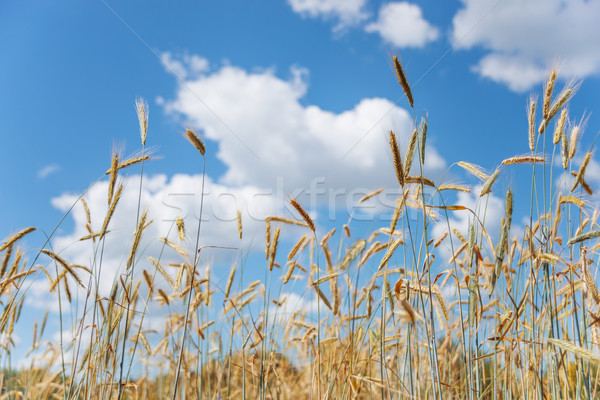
(404, 312)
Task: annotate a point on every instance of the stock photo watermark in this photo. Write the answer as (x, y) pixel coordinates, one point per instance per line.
(330, 203)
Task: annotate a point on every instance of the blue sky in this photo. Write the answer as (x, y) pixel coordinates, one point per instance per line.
(73, 70)
(284, 92)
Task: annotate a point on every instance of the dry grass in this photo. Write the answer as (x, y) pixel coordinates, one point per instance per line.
(399, 314)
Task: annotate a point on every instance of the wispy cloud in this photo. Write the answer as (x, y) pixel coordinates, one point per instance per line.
(47, 170)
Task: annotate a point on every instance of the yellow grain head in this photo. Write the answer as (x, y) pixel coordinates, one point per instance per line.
(560, 126)
(141, 107)
(296, 247)
(273, 248)
(548, 94)
(423, 139)
(137, 237)
(565, 151)
(581, 172)
(16, 237)
(239, 223)
(410, 152)
(207, 278)
(508, 209)
(562, 98)
(148, 280)
(303, 214)
(180, 228)
(352, 253)
(267, 238)
(487, 186)
(347, 230)
(195, 140)
(531, 118)
(574, 137)
(113, 175)
(369, 195)
(473, 292)
(397, 159)
(402, 80)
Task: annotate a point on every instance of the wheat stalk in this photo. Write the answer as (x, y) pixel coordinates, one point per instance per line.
(195, 140)
(560, 126)
(450, 186)
(410, 153)
(487, 186)
(403, 81)
(273, 248)
(473, 169)
(390, 251)
(397, 159)
(239, 223)
(303, 214)
(137, 237)
(582, 168)
(9, 242)
(369, 195)
(141, 107)
(523, 160)
(357, 247)
(180, 228)
(531, 119)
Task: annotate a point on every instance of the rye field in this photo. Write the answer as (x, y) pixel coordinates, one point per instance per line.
(401, 311)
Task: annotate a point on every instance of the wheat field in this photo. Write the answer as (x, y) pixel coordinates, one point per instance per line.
(400, 313)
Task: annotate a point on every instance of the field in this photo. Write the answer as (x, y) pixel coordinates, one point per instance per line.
(402, 312)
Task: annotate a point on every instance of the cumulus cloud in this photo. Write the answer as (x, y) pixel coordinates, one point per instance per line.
(165, 199)
(264, 132)
(273, 147)
(516, 72)
(347, 12)
(524, 38)
(402, 24)
(47, 170)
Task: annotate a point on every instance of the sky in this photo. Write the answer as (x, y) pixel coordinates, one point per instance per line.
(293, 98)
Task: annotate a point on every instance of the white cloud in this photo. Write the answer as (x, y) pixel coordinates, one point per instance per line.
(347, 12)
(518, 73)
(166, 199)
(524, 38)
(47, 170)
(184, 66)
(264, 132)
(402, 24)
(294, 147)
